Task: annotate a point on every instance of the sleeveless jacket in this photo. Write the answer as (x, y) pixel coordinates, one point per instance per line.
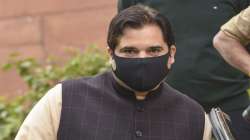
(98, 108)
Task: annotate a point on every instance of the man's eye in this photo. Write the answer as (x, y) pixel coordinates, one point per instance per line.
(129, 51)
(155, 50)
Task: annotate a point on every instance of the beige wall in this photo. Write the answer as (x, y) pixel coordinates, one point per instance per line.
(40, 28)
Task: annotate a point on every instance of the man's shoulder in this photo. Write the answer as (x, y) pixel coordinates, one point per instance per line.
(84, 83)
(180, 98)
(87, 79)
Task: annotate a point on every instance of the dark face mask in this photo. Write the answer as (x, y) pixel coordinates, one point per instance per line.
(141, 74)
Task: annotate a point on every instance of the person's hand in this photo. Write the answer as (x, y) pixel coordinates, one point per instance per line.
(246, 114)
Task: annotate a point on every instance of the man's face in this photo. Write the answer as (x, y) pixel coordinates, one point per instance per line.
(144, 42)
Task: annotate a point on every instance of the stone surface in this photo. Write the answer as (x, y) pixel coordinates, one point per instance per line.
(10, 8)
(25, 30)
(41, 28)
(77, 30)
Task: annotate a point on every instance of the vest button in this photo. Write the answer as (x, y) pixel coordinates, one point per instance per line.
(139, 108)
(138, 133)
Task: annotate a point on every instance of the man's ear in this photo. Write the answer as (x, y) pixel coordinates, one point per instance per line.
(110, 51)
(171, 58)
(111, 60)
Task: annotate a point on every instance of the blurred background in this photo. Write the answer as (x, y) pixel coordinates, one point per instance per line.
(43, 42)
(45, 28)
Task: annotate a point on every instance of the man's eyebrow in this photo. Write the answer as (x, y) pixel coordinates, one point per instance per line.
(128, 47)
(157, 46)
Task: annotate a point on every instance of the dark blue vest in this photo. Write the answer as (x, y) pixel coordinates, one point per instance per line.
(98, 108)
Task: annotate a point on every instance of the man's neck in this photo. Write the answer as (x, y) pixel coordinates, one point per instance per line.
(141, 95)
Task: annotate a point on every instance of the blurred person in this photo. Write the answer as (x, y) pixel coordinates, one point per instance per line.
(231, 41)
(131, 101)
(199, 71)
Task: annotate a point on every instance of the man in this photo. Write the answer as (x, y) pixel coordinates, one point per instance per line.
(128, 103)
(231, 41)
(200, 72)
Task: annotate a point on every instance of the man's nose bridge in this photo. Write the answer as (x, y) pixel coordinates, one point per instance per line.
(142, 54)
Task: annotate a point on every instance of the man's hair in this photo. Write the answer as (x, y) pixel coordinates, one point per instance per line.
(137, 17)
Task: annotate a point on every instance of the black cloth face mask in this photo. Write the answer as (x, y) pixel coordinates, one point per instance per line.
(141, 74)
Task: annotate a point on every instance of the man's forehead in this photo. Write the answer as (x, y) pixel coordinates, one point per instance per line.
(147, 36)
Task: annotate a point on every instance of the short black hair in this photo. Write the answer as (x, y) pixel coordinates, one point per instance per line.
(136, 17)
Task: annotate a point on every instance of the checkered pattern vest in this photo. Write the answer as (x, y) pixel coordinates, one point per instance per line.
(98, 108)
